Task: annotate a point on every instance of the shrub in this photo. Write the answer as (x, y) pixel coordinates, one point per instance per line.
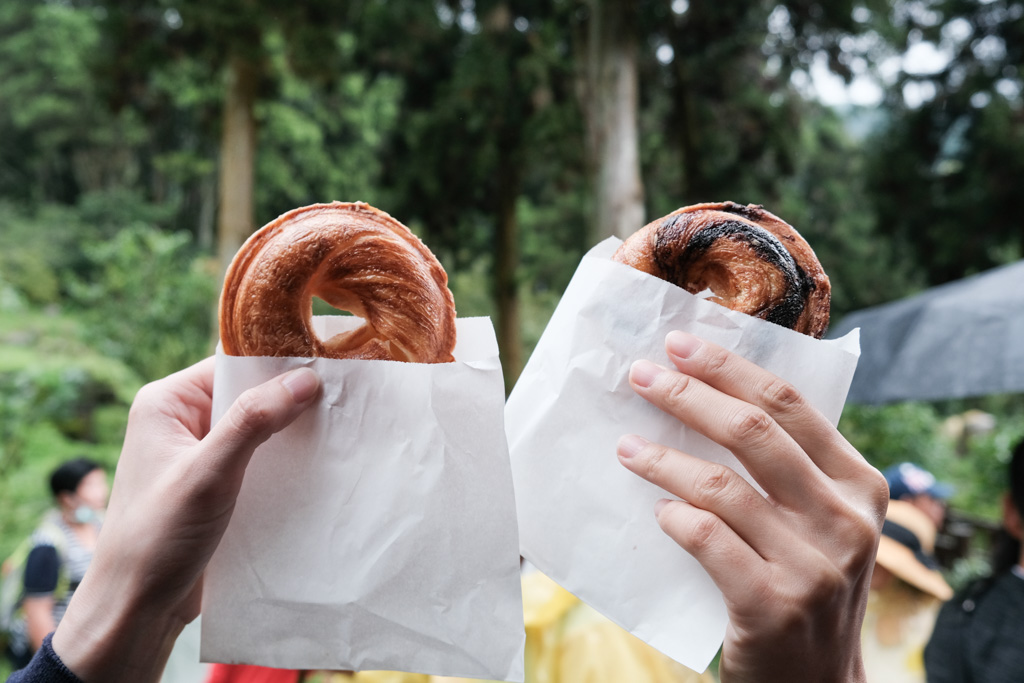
(150, 301)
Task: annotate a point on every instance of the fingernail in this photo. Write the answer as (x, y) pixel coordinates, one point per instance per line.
(643, 372)
(302, 383)
(630, 445)
(681, 344)
(659, 506)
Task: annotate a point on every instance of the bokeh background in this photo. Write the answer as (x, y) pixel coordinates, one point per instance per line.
(141, 141)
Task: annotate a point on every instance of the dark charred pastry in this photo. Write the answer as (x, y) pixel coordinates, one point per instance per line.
(752, 212)
(750, 260)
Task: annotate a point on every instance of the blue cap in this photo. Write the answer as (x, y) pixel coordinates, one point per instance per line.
(907, 479)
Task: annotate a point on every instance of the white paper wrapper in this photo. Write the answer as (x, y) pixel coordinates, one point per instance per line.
(585, 520)
(378, 531)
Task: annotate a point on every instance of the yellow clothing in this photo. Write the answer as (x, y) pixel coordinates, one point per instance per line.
(567, 642)
(897, 625)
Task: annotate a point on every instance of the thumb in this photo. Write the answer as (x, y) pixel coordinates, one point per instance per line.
(257, 414)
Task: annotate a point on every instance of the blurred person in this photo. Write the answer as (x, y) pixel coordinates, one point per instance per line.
(793, 567)
(907, 591)
(919, 487)
(59, 552)
(567, 641)
(979, 635)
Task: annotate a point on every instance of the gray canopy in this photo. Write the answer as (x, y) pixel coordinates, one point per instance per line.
(963, 338)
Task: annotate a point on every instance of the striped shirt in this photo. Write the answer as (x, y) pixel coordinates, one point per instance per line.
(48, 558)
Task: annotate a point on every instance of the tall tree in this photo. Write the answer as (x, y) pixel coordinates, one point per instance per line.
(945, 175)
(474, 82)
(606, 43)
(233, 40)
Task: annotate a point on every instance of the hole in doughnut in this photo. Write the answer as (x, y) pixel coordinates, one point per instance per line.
(321, 307)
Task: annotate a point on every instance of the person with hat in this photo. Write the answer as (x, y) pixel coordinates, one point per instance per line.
(907, 591)
(920, 488)
(57, 555)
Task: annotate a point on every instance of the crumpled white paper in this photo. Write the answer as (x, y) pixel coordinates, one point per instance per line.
(378, 531)
(585, 520)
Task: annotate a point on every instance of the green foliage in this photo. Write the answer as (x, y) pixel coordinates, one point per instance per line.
(150, 303)
(37, 245)
(58, 399)
(944, 177)
(323, 143)
(48, 375)
(931, 435)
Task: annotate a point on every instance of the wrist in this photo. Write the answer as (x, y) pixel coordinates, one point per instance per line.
(112, 633)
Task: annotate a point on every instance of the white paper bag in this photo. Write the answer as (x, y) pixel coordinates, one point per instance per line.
(378, 531)
(585, 520)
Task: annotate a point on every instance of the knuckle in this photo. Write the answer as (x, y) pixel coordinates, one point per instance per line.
(859, 530)
(750, 424)
(655, 461)
(713, 482)
(715, 362)
(145, 399)
(676, 394)
(781, 396)
(880, 494)
(703, 533)
(862, 532)
(249, 414)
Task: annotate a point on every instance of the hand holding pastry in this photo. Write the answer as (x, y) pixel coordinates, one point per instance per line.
(173, 494)
(794, 567)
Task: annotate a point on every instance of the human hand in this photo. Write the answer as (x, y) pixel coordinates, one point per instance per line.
(174, 490)
(795, 567)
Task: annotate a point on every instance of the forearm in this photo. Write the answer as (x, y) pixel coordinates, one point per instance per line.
(39, 619)
(112, 633)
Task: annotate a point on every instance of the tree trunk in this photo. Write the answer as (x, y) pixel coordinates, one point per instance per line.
(237, 159)
(609, 99)
(508, 130)
(506, 283)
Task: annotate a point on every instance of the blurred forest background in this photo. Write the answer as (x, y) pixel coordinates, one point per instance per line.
(141, 141)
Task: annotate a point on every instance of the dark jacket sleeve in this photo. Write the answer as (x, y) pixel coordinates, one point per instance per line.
(944, 656)
(45, 667)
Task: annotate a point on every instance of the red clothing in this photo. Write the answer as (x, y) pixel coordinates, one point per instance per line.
(245, 673)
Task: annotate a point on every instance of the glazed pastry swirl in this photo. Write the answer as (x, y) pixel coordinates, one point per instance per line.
(354, 257)
(751, 261)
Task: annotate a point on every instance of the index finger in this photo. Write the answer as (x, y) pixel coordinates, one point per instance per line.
(199, 376)
(192, 391)
(736, 376)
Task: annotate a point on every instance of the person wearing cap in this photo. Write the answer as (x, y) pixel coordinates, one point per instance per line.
(919, 487)
(979, 635)
(59, 552)
(907, 591)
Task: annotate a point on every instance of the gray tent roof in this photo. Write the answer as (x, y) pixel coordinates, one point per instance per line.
(963, 338)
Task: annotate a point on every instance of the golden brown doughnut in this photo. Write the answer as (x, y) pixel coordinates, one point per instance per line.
(751, 261)
(354, 257)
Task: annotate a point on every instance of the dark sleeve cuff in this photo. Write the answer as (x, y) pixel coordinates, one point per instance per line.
(45, 667)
